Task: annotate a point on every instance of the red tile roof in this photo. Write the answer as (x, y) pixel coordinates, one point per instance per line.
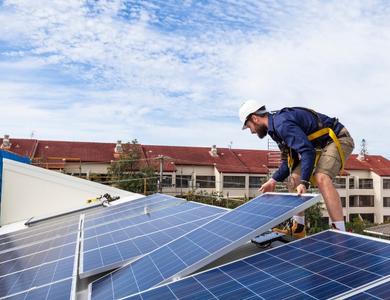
(24, 147)
(257, 161)
(84, 151)
(227, 161)
(375, 163)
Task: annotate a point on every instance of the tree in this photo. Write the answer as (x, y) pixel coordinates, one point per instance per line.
(358, 225)
(130, 173)
(313, 216)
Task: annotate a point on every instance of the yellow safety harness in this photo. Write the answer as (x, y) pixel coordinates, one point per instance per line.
(311, 137)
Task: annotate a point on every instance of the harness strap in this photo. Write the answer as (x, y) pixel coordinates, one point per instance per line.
(315, 135)
(333, 136)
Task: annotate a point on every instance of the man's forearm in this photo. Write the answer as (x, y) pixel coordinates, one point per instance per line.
(282, 173)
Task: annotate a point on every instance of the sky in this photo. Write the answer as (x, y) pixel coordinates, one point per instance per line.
(176, 72)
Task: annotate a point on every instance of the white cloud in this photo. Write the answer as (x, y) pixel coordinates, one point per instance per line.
(172, 73)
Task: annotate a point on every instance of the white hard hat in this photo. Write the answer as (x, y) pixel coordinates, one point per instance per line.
(247, 108)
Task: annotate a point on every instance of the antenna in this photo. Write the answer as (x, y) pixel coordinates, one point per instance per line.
(363, 150)
(363, 145)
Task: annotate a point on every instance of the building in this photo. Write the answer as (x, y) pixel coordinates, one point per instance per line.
(364, 186)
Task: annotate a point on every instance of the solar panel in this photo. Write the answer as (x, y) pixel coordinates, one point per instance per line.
(37, 276)
(27, 238)
(21, 276)
(142, 234)
(142, 223)
(376, 291)
(203, 245)
(38, 246)
(61, 290)
(12, 262)
(134, 207)
(322, 266)
(39, 229)
(54, 228)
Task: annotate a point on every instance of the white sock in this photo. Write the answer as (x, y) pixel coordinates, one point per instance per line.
(299, 219)
(340, 225)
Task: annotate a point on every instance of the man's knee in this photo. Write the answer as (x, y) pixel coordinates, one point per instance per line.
(322, 179)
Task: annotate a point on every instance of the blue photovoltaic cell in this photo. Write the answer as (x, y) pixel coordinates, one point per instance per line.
(37, 276)
(201, 246)
(25, 262)
(57, 291)
(112, 249)
(379, 292)
(39, 229)
(11, 243)
(39, 246)
(113, 255)
(145, 223)
(131, 208)
(319, 267)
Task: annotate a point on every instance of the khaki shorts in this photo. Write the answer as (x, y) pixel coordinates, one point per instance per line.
(329, 162)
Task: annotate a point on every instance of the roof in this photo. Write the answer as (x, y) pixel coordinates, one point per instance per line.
(227, 160)
(381, 230)
(375, 163)
(24, 147)
(257, 161)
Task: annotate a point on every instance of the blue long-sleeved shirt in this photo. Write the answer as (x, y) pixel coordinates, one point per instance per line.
(290, 127)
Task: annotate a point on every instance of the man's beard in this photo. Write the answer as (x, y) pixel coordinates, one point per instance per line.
(261, 131)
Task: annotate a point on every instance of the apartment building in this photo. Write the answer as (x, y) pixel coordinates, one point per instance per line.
(364, 186)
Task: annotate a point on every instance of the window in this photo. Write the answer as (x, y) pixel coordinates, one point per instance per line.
(256, 181)
(205, 182)
(386, 219)
(386, 184)
(365, 217)
(167, 181)
(98, 177)
(340, 182)
(366, 201)
(342, 201)
(351, 182)
(365, 183)
(361, 201)
(234, 182)
(183, 181)
(324, 221)
(386, 201)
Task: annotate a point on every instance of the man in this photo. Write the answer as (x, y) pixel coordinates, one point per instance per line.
(314, 148)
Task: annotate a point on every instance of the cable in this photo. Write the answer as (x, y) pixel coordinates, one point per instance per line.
(60, 160)
(127, 180)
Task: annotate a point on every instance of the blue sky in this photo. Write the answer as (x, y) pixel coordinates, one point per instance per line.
(175, 72)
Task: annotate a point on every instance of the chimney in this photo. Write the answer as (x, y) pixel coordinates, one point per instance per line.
(6, 143)
(214, 152)
(118, 149)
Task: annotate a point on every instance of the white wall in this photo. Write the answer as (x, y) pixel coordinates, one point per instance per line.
(88, 168)
(29, 191)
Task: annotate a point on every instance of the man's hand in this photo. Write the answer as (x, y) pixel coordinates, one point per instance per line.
(269, 186)
(301, 189)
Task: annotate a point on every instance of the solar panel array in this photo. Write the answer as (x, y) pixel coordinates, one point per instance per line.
(322, 266)
(167, 238)
(40, 262)
(111, 245)
(201, 246)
